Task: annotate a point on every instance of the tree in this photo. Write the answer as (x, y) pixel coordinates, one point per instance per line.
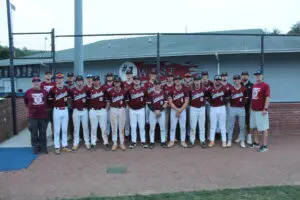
(295, 29)
(4, 52)
(275, 31)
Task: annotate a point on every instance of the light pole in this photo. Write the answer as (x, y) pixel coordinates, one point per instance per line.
(218, 63)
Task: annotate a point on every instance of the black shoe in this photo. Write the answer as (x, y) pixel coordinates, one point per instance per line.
(164, 145)
(106, 147)
(132, 145)
(35, 151)
(144, 145)
(151, 145)
(191, 145)
(44, 151)
(203, 145)
(254, 145)
(93, 147)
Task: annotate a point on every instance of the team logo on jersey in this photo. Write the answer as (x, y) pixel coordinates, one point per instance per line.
(48, 87)
(157, 99)
(38, 98)
(255, 92)
(117, 98)
(135, 96)
(80, 96)
(235, 96)
(61, 95)
(219, 94)
(96, 95)
(178, 96)
(195, 96)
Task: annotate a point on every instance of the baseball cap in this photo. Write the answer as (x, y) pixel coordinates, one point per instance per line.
(197, 78)
(188, 75)
(236, 77)
(109, 74)
(170, 74)
(224, 74)
(258, 72)
(153, 71)
(117, 79)
(96, 78)
(177, 77)
(129, 71)
(89, 76)
(157, 82)
(218, 77)
(48, 72)
(36, 79)
(204, 73)
(245, 73)
(70, 74)
(136, 78)
(79, 78)
(59, 75)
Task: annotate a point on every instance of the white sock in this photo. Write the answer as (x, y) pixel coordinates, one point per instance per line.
(249, 138)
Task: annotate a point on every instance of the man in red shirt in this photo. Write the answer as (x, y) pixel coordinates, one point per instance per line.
(117, 102)
(47, 84)
(136, 103)
(168, 87)
(218, 96)
(198, 96)
(60, 95)
(108, 86)
(238, 99)
(35, 100)
(70, 84)
(227, 86)
(80, 113)
(259, 117)
(89, 81)
(97, 101)
(157, 101)
(187, 85)
(126, 86)
(178, 100)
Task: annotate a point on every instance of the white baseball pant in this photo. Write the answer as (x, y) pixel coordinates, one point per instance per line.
(98, 117)
(108, 125)
(167, 121)
(161, 121)
(182, 123)
(235, 112)
(117, 120)
(197, 115)
(137, 118)
(188, 130)
(80, 117)
(60, 121)
(218, 130)
(147, 112)
(127, 122)
(217, 115)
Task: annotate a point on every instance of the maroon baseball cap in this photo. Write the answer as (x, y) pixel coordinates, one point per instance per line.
(36, 79)
(177, 77)
(59, 75)
(136, 77)
(188, 75)
(224, 74)
(204, 73)
(236, 77)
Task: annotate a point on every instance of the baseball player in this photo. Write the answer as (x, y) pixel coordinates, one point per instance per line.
(178, 100)
(80, 113)
(89, 81)
(108, 87)
(168, 87)
(217, 97)
(70, 80)
(238, 99)
(198, 95)
(98, 114)
(70, 84)
(187, 85)
(117, 101)
(136, 103)
(227, 86)
(127, 85)
(60, 95)
(157, 101)
(259, 116)
(248, 85)
(149, 86)
(47, 84)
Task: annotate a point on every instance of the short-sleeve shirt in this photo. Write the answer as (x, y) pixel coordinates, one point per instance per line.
(198, 97)
(260, 92)
(79, 98)
(238, 97)
(97, 97)
(136, 98)
(178, 97)
(217, 96)
(157, 99)
(60, 96)
(117, 98)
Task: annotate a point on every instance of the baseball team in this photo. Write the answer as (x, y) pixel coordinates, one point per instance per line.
(127, 108)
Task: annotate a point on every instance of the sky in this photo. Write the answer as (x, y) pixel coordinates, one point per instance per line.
(128, 16)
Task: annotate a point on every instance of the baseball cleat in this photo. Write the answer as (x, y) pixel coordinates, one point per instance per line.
(65, 149)
(44, 151)
(191, 145)
(75, 147)
(229, 144)
(88, 147)
(183, 144)
(262, 149)
(237, 140)
(254, 145)
(171, 144)
(203, 145)
(122, 146)
(132, 145)
(93, 147)
(114, 147)
(224, 145)
(211, 144)
(57, 151)
(243, 145)
(106, 147)
(163, 145)
(151, 145)
(144, 145)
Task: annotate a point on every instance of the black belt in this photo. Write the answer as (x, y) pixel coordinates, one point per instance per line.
(118, 106)
(197, 107)
(136, 108)
(97, 108)
(79, 109)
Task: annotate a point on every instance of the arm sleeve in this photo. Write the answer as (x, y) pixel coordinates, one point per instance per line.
(26, 98)
(267, 91)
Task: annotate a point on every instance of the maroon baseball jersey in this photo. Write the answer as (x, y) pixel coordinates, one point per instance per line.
(126, 85)
(168, 88)
(178, 97)
(97, 98)
(70, 84)
(238, 97)
(59, 96)
(36, 102)
(187, 87)
(117, 98)
(197, 97)
(136, 98)
(227, 86)
(47, 86)
(208, 85)
(87, 88)
(108, 87)
(157, 99)
(260, 92)
(149, 86)
(79, 98)
(217, 96)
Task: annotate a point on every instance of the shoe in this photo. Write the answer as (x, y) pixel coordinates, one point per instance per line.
(211, 144)
(237, 140)
(262, 149)
(44, 151)
(163, 145)
(88, 147)
(75, 147)
(144, 145)
(183, 144)
(132, 145)
(203, 145)
(57, 151)
(65, 149)
(114, 147)
(224, 145)
(249, 139)
(151, 145)
(106, 147)
(122, 146)
(35, 151)
(229, 144)
(254, 145)
(171, 144)
(191, 145)
(243, 145)
(93, 147)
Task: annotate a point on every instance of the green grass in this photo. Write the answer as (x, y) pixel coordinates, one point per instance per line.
(256, 193)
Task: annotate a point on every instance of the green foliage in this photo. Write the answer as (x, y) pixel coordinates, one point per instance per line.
(295, 29)
(4, 52)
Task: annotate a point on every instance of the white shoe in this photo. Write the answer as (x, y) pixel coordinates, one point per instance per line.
(224, 144)
(243, 145)
(237, 140)
(228, 144)
(249, 139)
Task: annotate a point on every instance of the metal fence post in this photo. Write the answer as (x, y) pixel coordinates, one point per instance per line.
(53, 50)
(11, 66)
(262, 52)
(158, 55)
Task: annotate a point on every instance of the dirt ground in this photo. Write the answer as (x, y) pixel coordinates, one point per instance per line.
(154, 171)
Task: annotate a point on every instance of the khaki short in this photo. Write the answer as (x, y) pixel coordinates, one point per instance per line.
(259, 121)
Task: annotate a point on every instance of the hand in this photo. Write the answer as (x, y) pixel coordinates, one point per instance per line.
(264, 112)
(157, 113)
(178, 113)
